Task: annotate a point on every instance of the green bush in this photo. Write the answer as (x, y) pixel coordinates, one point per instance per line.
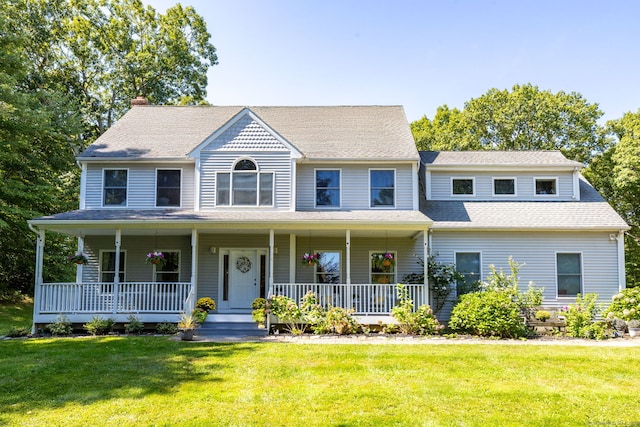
(338, 321)
(259, 310)
(135, 326)
(99, 326)
(166, 328)
(625, 305)
(61, 327)
(491, 313)
(199, 315)
(422, 321)
(579, 317)
(206, 304)
(18, 331)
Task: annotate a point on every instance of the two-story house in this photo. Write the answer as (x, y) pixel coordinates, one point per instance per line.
(234, 197)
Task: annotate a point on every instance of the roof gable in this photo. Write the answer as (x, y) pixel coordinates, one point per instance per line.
(245, 132)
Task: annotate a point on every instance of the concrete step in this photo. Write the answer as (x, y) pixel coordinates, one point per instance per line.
(235, 329)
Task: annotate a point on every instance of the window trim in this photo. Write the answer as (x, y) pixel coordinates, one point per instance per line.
(546, 178)
(395, 187)
(473, 186)
(258, 172)
(122, 267)
(156, 187)
(315, 267)
(315, 188)
(155, 271)
(455, 263)
(102, 184)
(581, 291)
(504, 178)
(393, 276)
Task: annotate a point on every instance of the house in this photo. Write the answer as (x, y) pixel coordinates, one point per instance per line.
(234, 197)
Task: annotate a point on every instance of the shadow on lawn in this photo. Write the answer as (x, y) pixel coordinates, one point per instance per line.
(39, 374)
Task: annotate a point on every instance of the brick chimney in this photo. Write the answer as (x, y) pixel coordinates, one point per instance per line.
(139, 100)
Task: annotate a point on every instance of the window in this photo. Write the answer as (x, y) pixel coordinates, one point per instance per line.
(546, 186)
(468, 264)
(108, 266)
(569, 270)
(244, 186)
(383, 267)
(504, 186)
(328, 268)
(115, 187)
(328, 188)
(170, 271)
(462, 186)
(382, 187)
(168, 187)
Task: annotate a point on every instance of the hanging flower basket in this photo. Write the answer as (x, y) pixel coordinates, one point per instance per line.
(156, 258)
(78, 258)
(310, 260)
(383, 261)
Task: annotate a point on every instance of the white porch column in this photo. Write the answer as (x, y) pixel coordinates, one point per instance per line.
(425, 256)
(271, 254)
(194, 272)
(80, 267)
(348, 261)
(37, 291)
(116, 277)
(292, 257)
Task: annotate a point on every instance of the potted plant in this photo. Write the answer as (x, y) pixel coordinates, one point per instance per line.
(634, 327)
(259, 313)
(187, 325)
(542, 315)
(79, 258)
(156, 258)
(310, 259)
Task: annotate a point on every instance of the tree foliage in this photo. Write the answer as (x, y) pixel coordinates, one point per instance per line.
(68, 69)
(525, 118)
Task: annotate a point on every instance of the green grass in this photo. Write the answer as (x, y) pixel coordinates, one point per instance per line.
(15, 314)
(157, 381)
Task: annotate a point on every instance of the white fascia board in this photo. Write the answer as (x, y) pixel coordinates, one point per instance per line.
(501, 168)
(135, 159)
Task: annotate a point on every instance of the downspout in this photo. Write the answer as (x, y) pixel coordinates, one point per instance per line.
(622, 281)
(425, 254)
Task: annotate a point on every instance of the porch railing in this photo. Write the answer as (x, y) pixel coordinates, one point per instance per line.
(128, 297)
(363, 298)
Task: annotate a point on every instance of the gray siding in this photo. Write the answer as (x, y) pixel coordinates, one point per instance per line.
(538, 252)
(137, 248)
(141, 189)
(222, 161)
(525, 185)
(355, 185)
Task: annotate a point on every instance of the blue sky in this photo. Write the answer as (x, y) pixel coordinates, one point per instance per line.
(419, 54)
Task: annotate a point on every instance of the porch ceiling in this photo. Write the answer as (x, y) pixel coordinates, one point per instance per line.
(369, 223)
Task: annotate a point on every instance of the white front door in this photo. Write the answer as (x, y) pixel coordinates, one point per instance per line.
(244, 271)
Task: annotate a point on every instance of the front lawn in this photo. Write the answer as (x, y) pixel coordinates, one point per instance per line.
(159, 381)
(16, 315)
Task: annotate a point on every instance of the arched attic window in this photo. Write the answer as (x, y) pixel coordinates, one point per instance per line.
(245, 185)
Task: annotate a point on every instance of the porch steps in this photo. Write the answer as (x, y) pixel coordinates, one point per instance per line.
(230, 326)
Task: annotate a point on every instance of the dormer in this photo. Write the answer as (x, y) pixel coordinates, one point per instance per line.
(500, 176)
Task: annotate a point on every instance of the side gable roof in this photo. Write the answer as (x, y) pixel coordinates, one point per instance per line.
(350, 133)
(497, 158)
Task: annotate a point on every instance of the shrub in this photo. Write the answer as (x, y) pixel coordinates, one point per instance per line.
(166, 328)
(287, 312)
(259, 313)
(488, 313)
(99, 326)
(579, 316)
(199, 315)
(422, 321)
(625, 305)
(61, 327)
(18, 331)
(135, 326)
(206, 304)
(339, 321)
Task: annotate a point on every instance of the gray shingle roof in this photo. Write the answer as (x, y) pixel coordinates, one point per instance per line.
(592, 212)
(496, 158)
(339, 132)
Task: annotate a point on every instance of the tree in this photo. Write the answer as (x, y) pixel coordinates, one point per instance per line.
(524, 118)
(615, 174)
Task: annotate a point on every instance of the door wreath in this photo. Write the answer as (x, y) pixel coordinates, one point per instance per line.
(243, 264)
